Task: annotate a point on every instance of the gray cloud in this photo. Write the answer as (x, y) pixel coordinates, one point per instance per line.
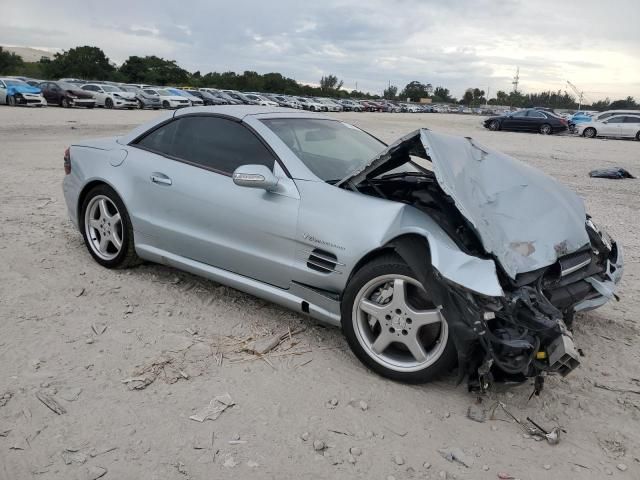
(457, 43)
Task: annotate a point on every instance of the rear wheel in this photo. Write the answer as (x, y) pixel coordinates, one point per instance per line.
(107, 229)
(546, 129)
(108, 103)
(590, 132)
(494, 125)
(392, 325)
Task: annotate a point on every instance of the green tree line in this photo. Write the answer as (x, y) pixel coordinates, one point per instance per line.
(91, 63)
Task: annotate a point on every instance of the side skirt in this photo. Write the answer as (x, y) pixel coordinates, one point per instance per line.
(298, 298)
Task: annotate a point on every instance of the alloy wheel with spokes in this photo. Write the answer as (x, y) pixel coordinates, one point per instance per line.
(589, 132)
(104, 228)
(394, 328)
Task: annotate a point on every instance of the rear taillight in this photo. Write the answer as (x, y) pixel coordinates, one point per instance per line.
(67, 161)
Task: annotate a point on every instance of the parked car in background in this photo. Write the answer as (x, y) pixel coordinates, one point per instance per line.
(285, 101)
(528, 120)
(311, 104)
(110, 96)
(240, 97)
(18, 92)
(597, 117)
(168, 99)
(207, 97)
(66, 95)
(222, 95)
(618, 126)
(331, 105)
(144, 99)
(261, 100)
(350, 105)
(77, 81)
(193, 100)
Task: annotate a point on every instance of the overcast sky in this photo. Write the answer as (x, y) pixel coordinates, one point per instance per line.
(453, 43)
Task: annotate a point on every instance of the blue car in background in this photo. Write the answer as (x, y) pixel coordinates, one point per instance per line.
(17, 92)
(578, 118)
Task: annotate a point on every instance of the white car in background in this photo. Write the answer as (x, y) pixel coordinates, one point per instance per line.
(110, 96)
(260, 100)
(311, 104)
(168, 99)
(620, 126)
(330, 104)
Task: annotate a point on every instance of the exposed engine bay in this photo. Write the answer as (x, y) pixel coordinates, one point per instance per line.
(526, 332)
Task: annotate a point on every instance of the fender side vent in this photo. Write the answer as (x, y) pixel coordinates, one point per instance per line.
(322, 261)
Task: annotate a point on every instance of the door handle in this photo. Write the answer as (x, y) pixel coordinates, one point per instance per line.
(160, 179)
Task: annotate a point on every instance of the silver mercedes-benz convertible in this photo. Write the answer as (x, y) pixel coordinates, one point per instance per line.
(429, 252)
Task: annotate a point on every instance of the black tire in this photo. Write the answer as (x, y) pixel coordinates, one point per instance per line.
(165, 104)
(590, 132)
(638, 136)
(127, 256)
(390, 264)
(140, 104)
(108, 103)
(64, 103)
(494, 125)
(90, 106)
(11, 101)
(546, 129)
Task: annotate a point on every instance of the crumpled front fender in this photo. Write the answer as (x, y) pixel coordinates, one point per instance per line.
(473, 273)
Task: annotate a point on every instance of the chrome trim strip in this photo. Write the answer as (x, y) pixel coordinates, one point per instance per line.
(575, 268)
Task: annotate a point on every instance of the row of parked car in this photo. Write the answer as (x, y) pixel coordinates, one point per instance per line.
(72, 92)
(612, 123)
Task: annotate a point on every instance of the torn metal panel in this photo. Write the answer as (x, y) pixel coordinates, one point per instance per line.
(523, 217)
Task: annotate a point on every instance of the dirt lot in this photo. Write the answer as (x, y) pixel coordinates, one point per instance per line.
(74, 331)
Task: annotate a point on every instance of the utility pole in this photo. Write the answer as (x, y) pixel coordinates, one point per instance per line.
(516, 80)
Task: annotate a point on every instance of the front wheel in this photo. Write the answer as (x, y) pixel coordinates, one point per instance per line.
(392, 325)
(107, 229)
(494, 125)
(546, 129)
(140, 104)
(11, 101)
(108, 103)
(165, 104)
(65, 103)
(638, 136)
(589, 132)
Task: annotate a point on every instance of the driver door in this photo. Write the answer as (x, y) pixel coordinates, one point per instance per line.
(185, 199)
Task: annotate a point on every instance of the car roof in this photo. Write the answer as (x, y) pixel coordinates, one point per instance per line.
(241, 111)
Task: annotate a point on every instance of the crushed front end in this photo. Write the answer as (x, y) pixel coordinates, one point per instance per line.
(551, 259)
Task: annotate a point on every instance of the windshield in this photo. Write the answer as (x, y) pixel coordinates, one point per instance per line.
(329, 148)
(15, 83)
(67, 86)
(110, 88)
(165, 93)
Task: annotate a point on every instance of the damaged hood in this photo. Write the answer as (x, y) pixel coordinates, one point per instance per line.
(523, 217)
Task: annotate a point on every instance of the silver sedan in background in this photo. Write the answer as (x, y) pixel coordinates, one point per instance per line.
(432, 251)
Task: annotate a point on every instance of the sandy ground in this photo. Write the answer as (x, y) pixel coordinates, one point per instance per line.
(184, 335)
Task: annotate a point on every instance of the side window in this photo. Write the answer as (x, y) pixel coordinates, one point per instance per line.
(210, 142)
(521, 113)
(616, 120)
(604, 116)
(535, 114)
(631, 119)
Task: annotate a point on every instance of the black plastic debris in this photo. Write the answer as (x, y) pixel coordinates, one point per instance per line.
(615, 173)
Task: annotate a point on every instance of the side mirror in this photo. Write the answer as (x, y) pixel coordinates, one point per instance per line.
(255, 176)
